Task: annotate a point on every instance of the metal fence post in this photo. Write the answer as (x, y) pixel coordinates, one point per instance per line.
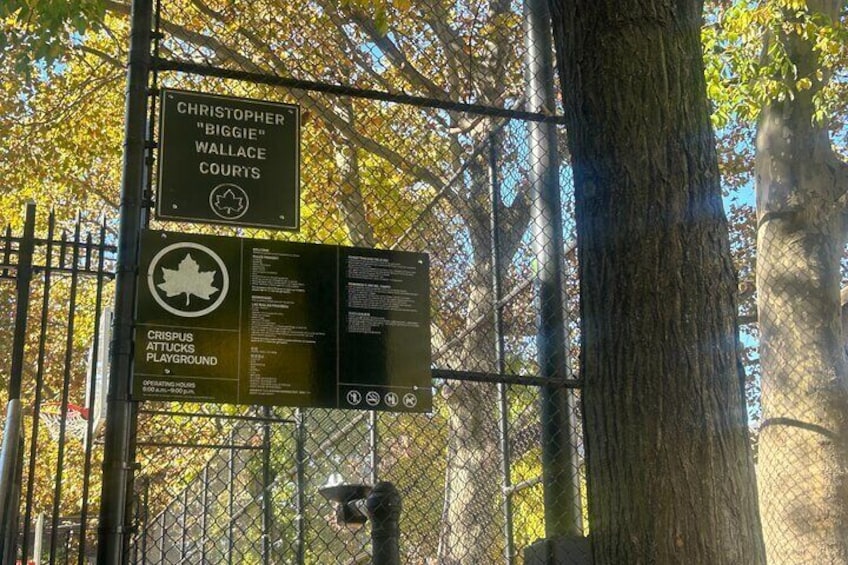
(38, 538)
(559, 468)
(373, 439)
(231, 499)
(300, 477)
(92, 392)
(162, 552)
(204, 514)
(66, 382)
(67, 546)
(11, 459)
(39, 385)
(267, 511)
(184, 527)
(145, 511)
(500, 355)
(23, 277)
(119, 450)
(384, 507)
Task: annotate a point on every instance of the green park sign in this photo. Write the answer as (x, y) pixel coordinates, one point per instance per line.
(228, 161)
(250, 321)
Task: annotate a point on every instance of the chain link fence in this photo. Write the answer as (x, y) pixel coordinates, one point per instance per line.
(420, 132)
(255, 498)
(428, 126)
(802, 358)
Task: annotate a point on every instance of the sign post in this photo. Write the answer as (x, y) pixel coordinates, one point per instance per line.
(228, 161)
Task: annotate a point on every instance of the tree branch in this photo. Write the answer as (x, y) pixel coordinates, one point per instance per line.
(451, 43)
(105, 57)
(354, 54)
(395, 55)
(226, 53)
(517, 216)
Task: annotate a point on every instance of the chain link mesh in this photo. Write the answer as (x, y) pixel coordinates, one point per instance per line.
(412, 127)
(801, 461)
(202, 503)
(412, 116)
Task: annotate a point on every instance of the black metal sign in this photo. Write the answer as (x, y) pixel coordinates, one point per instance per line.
(228, 160)
(249, 321)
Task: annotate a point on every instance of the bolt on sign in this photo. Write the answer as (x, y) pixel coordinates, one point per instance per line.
(228, 161)
(250, 321)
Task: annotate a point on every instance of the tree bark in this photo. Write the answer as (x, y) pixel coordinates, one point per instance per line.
(470, 525)
(349, 191)
(670, 473)
(803, 450)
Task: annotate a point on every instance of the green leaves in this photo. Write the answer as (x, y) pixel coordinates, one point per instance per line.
(40, 31)
(771, 51)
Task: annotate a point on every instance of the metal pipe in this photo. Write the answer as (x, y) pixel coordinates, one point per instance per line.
(10, 471)
(135, 540)
(23, 278)
(162, 552)
(184, 526)
(300, 476)
(523, 485)
(384, 506)
(204, 69)
(373, 439)
(231, 500)
(242, 418)
(38, 538)
(119, 449)
(266, 489)
(497, 314)
(204, 514)
(67, 545)
(198, 445)
(145, 516)
(480, 377)
(558, 463)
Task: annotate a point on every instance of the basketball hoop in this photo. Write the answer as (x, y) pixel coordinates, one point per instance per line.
(76, 421)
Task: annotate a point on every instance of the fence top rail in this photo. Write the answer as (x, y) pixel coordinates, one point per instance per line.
(57, 252)
(79, 242)
(163, 64)
(222, 416)
(498, 378)
(54, 269)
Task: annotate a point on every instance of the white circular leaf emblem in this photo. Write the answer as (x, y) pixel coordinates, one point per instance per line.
(188, 280)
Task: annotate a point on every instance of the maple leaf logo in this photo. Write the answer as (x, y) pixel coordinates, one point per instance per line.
(188, 279)
(229, 202)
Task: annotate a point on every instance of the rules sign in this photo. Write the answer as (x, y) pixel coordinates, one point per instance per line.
(228, 161)
(249, 321)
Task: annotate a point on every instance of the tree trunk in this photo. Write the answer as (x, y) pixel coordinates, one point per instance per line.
(349, 193)
(670, 474)
(803, 450)
(471, 531)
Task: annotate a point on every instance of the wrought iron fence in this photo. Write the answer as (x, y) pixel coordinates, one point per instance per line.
(61, 282)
